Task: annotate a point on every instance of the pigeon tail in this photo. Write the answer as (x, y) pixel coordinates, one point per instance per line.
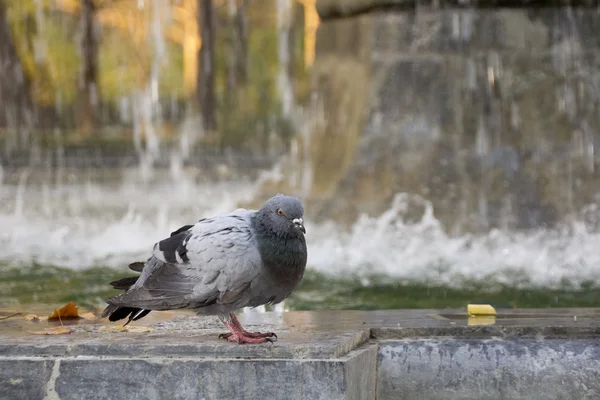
(116, 313)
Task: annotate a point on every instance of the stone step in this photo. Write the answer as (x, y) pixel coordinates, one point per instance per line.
(184, 359)
(408, 354)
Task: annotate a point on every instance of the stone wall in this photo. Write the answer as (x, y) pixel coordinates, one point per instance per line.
(490, 113)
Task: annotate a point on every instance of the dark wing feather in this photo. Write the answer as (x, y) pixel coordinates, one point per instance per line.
(173, 249)
(182, 229)
(124, 283)
(137, 266)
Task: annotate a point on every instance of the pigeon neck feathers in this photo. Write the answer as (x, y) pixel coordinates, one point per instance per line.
(283, 254)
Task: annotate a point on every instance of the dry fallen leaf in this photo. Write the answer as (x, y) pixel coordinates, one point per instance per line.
(139, 329)
(53, 331)
(88, 315)
(117, 328)
(121, 328)
(66, 312)
(35, 318)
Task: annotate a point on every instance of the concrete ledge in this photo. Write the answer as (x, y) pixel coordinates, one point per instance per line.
(170, 377)
(158, 344)
(331, 9)
(183, 358)
(409, 354)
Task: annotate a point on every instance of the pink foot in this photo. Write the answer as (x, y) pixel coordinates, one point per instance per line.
(241, 339)
(239, 335)
(247, 334)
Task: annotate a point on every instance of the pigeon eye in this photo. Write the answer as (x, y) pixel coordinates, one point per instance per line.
(279, 211)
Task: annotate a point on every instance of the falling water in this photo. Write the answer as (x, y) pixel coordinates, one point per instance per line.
(146, 104)
(284, 84)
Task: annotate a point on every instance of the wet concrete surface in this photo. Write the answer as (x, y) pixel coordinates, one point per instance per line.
(316, 334)
(299, 328)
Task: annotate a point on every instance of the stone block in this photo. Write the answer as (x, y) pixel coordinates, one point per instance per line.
(496, 368)
(217, 378)
(24, 378)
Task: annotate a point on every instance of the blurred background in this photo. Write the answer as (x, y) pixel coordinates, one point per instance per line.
(445, 153)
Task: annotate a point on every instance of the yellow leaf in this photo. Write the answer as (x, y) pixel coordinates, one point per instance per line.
(66, 312)
(121, 328)
(88, 315)
(53, 331)
(118, 328)
(139, 329)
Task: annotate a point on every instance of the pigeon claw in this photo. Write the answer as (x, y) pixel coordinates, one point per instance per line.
(251, 334)
(260, 334)
(269, 336)
(239, 339)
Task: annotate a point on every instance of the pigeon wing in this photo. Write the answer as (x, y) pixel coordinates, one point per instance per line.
(212, 262)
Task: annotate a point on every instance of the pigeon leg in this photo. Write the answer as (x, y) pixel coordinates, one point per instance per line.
(238, 325)
(240, 335)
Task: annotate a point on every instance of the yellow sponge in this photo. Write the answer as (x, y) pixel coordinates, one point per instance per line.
(480, 309)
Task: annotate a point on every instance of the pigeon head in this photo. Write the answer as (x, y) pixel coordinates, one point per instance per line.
(283, 216)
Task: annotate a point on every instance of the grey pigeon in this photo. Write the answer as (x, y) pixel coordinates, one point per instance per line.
(242, 259)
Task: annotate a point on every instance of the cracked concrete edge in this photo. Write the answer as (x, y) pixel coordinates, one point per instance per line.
(353, 343)
(51, 385)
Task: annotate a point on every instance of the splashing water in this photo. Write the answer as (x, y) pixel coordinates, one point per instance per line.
(423, 251)
(84, 223)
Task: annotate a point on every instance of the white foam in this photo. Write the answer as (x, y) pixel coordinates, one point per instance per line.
(424, 251)
(89, 224)
(80, 225)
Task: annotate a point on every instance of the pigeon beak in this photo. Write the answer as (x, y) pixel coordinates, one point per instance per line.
(299, 224)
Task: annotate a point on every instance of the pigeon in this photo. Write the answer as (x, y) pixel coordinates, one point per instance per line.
(221, 264)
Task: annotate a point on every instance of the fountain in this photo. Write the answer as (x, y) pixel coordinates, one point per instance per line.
(445, 151)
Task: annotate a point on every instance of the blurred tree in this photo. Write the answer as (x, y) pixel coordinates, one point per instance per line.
(186, 33)
(237, 71)
(14, 85)
(126, 52)
(241, 25)
(206, 61)
(88, 72)
(123, 46)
